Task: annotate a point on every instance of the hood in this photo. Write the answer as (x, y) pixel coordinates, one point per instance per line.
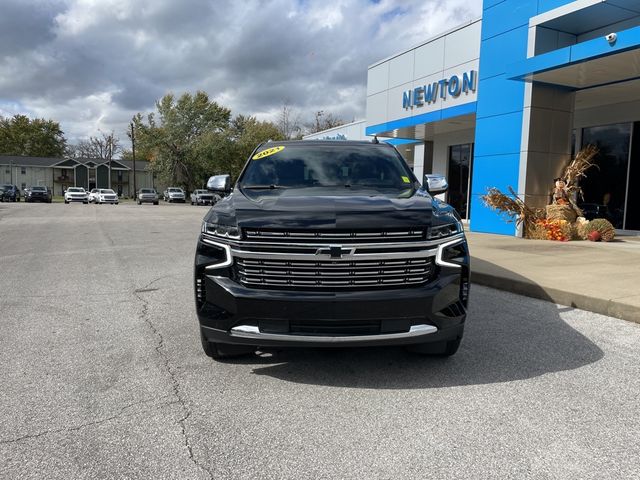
(297, 208)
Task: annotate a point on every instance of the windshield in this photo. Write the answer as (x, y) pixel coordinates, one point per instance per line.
(147, 190)
(107, 190)
(175, 190)
(38, 189)
(75, 189)
(346, 166)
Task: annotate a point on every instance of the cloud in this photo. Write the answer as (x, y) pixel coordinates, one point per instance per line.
(92, 64)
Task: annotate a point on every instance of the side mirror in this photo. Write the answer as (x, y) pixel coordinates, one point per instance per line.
(219, 184)
(435, 184)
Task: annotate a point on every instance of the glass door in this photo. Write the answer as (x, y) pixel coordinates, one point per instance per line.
(605, 187)
(459, 177)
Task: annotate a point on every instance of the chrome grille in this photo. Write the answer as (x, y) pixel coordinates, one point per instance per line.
(345, 236)
(334, 274)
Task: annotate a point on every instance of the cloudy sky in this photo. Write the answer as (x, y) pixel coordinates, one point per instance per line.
(92, 64)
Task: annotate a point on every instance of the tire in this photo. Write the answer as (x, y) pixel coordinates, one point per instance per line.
(66, 202)
(50, 201)
(155, 203)
(85, 203)
(445, 348)
(220, 351)
(191, 202)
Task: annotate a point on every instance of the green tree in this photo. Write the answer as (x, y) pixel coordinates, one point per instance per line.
(172, 138)
(20, 135)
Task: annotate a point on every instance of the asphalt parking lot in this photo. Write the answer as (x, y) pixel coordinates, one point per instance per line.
(103, 375)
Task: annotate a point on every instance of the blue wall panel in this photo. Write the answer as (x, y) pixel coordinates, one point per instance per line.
(546, 5)
(500, 171)
(505, 32)
(496, 51)
(501, 96)
(498, 135)
(506, 16)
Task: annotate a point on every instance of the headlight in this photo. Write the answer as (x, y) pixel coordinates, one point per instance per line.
(443, 231)
(223, 231)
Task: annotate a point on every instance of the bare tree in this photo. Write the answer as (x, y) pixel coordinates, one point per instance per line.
(323, 121)
(104, 147)
(289, 122)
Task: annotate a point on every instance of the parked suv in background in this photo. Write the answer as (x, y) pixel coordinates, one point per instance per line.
(147, 195)
(9, 193)
(36, 193)
(174, 194)
(330, 243)
(203, 197)
(106, 195)
(76, 194)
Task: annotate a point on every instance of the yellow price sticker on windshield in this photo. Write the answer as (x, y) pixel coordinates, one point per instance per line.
(406, 180)
(267, 152)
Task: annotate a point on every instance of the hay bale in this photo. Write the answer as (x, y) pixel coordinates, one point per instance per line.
(561, 212)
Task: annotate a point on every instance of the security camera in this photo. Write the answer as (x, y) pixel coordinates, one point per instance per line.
(612, 37)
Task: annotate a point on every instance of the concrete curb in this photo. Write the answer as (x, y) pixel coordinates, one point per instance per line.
(612, 307)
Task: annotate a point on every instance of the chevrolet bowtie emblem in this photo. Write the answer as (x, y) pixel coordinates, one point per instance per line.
(335, 251)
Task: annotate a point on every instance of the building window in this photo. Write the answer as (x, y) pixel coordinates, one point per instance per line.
(23, 170)
(119, 175)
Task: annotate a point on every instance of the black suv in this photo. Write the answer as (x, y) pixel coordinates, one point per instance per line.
(37, 193)
(9, 193)
(330, 243)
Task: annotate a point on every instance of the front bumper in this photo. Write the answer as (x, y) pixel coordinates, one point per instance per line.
(37, 198)
(230, 312)
(78, 199)
(277, 318)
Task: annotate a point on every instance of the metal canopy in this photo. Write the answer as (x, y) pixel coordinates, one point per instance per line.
(591, 73)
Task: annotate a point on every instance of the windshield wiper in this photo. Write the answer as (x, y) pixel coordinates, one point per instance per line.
(273, 186)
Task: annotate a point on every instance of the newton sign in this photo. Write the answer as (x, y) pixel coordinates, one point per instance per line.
(454, 86)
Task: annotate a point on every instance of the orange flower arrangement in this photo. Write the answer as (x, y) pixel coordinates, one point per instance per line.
(559, 230)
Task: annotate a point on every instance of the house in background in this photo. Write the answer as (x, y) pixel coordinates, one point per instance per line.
(61, 173)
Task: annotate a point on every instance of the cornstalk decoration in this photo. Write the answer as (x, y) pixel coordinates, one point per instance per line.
(514, 208)
(577, 167)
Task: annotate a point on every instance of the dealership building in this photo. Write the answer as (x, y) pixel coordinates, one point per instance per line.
(506, 100)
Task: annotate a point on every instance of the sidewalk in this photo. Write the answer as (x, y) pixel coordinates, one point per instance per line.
(598, 277)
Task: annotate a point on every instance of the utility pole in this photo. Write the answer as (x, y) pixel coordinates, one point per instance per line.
(133, 155)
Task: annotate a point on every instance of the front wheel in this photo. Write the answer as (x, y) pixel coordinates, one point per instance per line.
(66, 201)
(445, 348)
(155, 203)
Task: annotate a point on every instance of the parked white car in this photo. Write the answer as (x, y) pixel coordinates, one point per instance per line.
(106, 195)
(76, 194)
(92, 195)
(174, 194)
(203, 197)
(147, 195)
